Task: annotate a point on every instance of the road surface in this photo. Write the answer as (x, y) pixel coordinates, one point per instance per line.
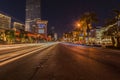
(64, 61)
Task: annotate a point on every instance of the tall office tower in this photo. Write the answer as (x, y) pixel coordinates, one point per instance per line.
(33, 13)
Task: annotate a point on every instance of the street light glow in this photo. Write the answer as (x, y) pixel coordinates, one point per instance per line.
(78, 25)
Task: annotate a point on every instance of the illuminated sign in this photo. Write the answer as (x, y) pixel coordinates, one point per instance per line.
(41, 31)
(41, 25)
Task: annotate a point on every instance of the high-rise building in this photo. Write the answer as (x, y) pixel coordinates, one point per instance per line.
(34, 23)
(33, 13)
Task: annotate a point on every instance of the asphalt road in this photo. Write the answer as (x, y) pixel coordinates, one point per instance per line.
(65, 62)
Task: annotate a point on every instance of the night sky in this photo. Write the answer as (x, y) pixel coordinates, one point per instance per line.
(62, 13)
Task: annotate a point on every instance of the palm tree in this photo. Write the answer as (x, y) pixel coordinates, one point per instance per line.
(109, 21)
(22, 36)
(117, 17)
(87, 20)
(113, 31)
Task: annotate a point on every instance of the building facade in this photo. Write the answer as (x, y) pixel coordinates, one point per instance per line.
(18, 26)
(41, 28)
(5, 21)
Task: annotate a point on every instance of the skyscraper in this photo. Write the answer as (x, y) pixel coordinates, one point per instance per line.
(33, 13)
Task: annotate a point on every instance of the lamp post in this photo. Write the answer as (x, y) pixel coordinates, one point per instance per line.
(78, 26)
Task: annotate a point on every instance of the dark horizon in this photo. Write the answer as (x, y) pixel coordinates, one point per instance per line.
(62, 14)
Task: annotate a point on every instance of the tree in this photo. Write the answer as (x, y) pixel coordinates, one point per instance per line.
(87, 20)
(113, 31)
(10, 35)
(22, 35)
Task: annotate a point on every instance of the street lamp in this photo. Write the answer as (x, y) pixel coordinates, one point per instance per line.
(78, 30)
(78, 24)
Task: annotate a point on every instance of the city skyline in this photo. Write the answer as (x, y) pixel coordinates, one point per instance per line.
(62, 17)
(60, 40)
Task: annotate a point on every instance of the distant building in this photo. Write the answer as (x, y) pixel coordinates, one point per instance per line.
(97, 36)
(51, 32)
(5, 21)
(33, 13)
(18, 26)
(92, 35)
(41, 28)
(55, 36)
